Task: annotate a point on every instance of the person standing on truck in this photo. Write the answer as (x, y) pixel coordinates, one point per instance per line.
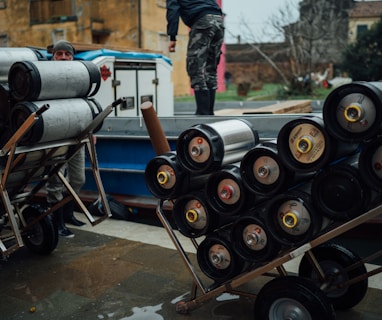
(205, 19)
(75, 167)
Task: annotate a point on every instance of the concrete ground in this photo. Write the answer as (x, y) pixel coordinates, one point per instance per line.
(127, 270)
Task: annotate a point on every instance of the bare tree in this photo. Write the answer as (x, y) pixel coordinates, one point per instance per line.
(314, 34)
(319, 36)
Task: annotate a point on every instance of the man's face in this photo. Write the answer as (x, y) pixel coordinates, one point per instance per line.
(62, 55)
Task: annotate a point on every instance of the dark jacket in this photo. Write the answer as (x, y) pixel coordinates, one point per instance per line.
(189, 11)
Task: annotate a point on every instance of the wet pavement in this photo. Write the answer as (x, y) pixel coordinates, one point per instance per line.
(125, 270)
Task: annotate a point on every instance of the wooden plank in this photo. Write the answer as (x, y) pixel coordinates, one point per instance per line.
(292, 106)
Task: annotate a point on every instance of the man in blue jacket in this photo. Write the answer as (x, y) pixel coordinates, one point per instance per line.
(204, 17)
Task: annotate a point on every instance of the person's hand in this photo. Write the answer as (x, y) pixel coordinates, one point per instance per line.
(171, 46)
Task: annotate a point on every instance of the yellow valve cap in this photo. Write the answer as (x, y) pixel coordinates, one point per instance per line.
(290, 220)
(163, 177)
(304, 145)
(353, 113)
(192, 215)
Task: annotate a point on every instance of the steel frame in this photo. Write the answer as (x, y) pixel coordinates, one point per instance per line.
(31, 182)
(207, 293)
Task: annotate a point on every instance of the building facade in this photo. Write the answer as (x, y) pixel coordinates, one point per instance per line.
(362, 16)
(133, 25)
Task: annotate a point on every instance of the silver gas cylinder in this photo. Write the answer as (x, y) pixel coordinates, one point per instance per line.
(44, 80)
(8, 56)
(206, 147)
(65, 118)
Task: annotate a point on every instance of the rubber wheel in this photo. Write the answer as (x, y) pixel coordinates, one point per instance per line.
(292, 298)
(334, 259)
(42, 236)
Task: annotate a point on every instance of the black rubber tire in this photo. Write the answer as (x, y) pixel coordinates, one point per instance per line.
(335, 258)
(42, 236)
(291, 297)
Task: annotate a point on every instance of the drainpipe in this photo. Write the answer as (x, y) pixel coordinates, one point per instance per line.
(139, 25)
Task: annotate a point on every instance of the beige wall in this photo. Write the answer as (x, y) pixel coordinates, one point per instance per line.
(355, 22)
(120, 18)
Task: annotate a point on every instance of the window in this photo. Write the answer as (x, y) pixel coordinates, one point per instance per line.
(3, 4)
(3, 40)
(51, 11)
(361, 28)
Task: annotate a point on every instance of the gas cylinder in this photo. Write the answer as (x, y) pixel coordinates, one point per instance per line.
(305, 145)
(291, 218)
(48, 80)
(226, 192)
(339, 192)
(264, 173)
(216, 257)
(252, 240)
(352, 112)
(370, 163)
(194, 217)
(65, 118)
(8, 56)
(5, 102)
(206, 147)
(17, 180)
(5, 109)
(166, 179)
(39, 157)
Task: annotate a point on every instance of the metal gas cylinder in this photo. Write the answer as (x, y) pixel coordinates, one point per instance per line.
(8, 56)
(166, 179)
(305, 145)
(44, 80)
(5, 110)
(206, 147)
(18, 180)
(370, 163)
(292, 219)
(194, 217)
(264, 173)
(352, 112)
(216, 257)
(339, 192)
(226, 192)
(252, 240)
(65, 118)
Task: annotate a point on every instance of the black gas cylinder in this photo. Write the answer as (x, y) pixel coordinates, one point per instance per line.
(352, 112)
(305, 145)
(166, 179)
(292, 219)
(252, 240)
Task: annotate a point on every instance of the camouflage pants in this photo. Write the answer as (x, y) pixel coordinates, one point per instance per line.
(203, 52)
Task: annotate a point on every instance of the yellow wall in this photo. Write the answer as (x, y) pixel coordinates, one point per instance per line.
(121, 18)
(354, 22)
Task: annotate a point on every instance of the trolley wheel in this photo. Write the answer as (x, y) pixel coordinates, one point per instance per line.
(42, 236)
(334, 259)
(293, 298)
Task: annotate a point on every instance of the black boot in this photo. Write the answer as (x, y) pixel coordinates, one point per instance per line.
(212, 101)
(202, 98)
(63, 231)
(69, 216)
